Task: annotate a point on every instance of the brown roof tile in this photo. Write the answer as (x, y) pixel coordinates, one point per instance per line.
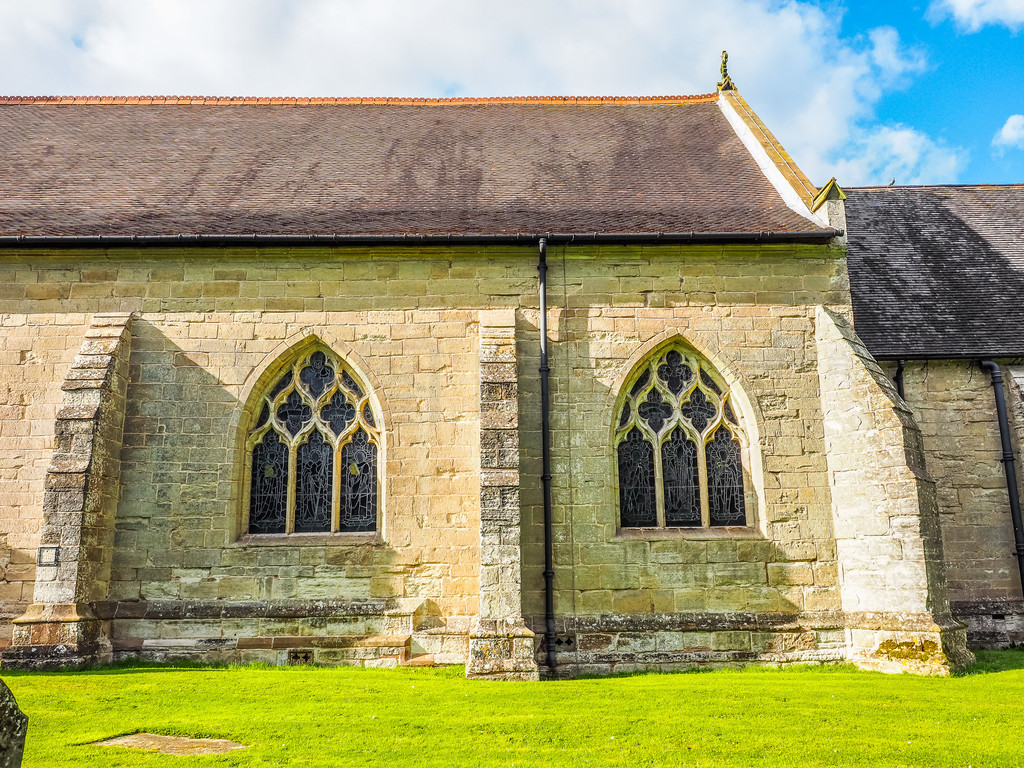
(113, 166)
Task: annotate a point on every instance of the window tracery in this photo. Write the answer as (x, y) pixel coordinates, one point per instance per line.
(313, 453)
(679, 447)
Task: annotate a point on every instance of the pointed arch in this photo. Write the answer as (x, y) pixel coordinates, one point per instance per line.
(681, 450)
(313, 446)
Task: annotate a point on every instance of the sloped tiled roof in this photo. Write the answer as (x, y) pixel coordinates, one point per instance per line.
(172, 166)
(938, 271)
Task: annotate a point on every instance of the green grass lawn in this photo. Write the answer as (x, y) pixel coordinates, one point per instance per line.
(304, 716)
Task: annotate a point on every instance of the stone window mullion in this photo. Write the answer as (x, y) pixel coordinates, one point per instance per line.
(702, 473)
(336, 490)
(293, 460)
(659, 482)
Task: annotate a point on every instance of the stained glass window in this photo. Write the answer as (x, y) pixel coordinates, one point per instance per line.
(313, 480)
(679, 447)
(725, 479)
(313, 452)
(682, 480)
(636, 481)
(269, 499)
(359, 484)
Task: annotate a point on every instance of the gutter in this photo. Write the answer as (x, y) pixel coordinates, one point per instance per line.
(821, 236)
(938, 356)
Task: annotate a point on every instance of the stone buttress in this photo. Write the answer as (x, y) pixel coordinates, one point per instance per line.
(891, 571)
(500, 644)
(79, 507)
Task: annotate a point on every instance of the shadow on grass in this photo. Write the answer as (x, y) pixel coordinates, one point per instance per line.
(997, 661)
(130, 666)
(988, 662)
(138, 666)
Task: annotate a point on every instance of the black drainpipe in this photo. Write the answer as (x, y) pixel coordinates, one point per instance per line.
(898, 378)
(545, 477)
(1009, 467)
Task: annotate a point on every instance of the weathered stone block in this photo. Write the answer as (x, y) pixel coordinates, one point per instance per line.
(13, 729)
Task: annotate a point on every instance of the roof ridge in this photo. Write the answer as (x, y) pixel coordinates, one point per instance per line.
(982, 185)
(351, 100)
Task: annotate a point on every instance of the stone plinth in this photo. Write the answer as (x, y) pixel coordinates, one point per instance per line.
(61, 634)
(501, 650)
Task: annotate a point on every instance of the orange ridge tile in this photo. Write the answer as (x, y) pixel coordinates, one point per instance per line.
(337, 101)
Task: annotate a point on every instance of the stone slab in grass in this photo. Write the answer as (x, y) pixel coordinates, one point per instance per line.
(171, 745)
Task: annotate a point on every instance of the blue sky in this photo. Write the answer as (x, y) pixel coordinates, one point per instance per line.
(925, 92)
(971, 84)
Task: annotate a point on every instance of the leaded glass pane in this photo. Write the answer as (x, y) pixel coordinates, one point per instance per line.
(637, 505)
(338, 413)
(698, 410)
(640, 384)
(682, 481)
(350, 383)
(264, 415)
(368, 415)
(654, 410)
(709, 382)
(293, 413)
(675, 372)
(725, 480)
(359, 484)
(624, 419)
(282, 384)
(314, 483)
(727, 410)
(317, 375)
(268, 493)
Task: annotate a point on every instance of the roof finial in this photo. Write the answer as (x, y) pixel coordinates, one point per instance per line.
(726, 83)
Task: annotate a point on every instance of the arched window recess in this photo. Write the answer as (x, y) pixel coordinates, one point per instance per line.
(313, 453)
(679, 446)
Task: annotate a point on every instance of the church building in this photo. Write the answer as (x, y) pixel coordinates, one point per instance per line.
(542, 386)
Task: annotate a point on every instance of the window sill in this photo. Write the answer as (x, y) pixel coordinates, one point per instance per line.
(307, 539)
(721, 532)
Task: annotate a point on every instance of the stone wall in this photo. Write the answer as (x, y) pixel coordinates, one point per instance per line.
(212, 324)
(954, 405)
(692, 596)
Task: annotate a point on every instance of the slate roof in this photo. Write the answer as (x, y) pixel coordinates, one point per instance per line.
(115, 167)
(938, 271)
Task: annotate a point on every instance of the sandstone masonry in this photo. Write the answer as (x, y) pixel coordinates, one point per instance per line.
(446, 339)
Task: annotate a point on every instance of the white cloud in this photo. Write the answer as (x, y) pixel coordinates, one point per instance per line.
(813, 86)
(972, 15)
(1011, 134)
(897, 152)
(891, 58)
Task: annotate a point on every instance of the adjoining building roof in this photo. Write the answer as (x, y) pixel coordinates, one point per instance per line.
(107, 166)
(938, 271)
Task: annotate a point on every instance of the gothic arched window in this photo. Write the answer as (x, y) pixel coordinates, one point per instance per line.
(679, 447)
(314, 452)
